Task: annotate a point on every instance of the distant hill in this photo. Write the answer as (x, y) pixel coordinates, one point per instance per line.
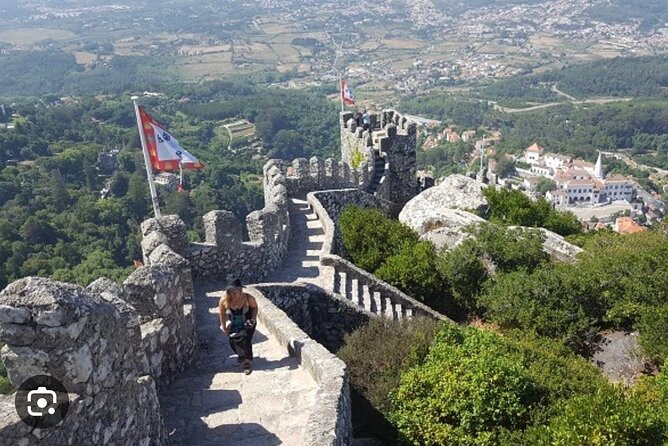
(619, 77)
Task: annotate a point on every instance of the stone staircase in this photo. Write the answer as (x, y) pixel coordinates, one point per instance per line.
(302, 260)
(379, 172)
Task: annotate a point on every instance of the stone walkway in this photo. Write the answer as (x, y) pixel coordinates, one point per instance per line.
(301, 262)
(214, 403)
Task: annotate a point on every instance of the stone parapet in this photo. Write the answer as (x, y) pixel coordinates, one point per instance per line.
(329, 205)
(373, 294)
(330, 422)
(225, 254)
(90, 339)
(303, 176)
(342, 277)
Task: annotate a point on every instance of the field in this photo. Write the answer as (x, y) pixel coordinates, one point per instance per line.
(26, 37)
(240, 129)
(84, 58)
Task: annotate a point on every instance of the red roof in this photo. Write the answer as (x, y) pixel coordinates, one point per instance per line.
(535, 148)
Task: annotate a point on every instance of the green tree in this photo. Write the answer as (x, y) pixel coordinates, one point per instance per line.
(468, 391)
(119, 184)
(546, 185)
(464, 273)
(413, 270)
(510, 249)
(370, 238)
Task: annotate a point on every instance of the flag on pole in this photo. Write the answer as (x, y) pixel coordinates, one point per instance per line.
(347, 97)
(164, 150)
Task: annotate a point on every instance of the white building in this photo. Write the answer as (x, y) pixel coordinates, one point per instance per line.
(167, 179)
(556, 161)
(533, 154)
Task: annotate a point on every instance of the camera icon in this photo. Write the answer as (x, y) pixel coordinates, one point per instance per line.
(42, 402)
(46, 401)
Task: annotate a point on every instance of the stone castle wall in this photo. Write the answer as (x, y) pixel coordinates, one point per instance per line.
(113, 346)
(225, 253)
(341, 277)
(392, 136)
(322, 319)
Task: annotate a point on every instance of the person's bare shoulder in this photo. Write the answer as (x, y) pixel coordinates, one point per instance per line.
(251, 301)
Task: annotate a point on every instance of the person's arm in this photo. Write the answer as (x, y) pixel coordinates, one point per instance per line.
(223, 315)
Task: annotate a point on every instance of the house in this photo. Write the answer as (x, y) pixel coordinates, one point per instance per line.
(468, 135)
(542, 170)
(626, 225)
(556, 161)
(168, 180)
(452, 136)
(533, 154)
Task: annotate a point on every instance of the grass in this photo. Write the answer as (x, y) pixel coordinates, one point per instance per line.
(30, 36)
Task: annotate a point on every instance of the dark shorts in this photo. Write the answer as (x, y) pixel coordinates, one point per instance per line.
(243, 346)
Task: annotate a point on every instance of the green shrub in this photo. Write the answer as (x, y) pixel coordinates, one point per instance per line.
(511, 249)
(512, 207)
(468, 391)
(464, 274)
(413, 270)
(356, 159)
(606, 418)
(379, 352)
(370, 237)
(653, 329)
(552, 301)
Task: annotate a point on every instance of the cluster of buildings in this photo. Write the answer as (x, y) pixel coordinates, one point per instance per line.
(448, 135)
(577, 181)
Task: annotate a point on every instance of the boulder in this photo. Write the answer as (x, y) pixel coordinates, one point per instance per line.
(558, 247)
(441, 214)
(445, 205)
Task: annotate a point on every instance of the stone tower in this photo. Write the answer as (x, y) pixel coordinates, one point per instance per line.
(390, 147)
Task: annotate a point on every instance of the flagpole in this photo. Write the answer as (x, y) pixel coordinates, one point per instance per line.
(341, 92)
(147, 160)
(181, 174)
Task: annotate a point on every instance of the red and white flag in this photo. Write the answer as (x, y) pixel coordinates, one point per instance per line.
(346, 93)
(164, 150)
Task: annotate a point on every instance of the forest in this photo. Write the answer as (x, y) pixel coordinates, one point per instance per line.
(55, 222)
(517, 371)
(619, 77)
(24, 74)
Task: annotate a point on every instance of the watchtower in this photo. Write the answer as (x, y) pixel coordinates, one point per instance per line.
(390, 146)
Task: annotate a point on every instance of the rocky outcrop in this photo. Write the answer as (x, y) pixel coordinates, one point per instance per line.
(558, 247)
(447, 205)
(442, 214)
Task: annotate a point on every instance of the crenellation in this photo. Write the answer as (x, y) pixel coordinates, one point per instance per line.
(141, 334)
(173, 228)
(222, 228)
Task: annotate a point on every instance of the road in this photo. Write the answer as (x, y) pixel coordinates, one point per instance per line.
(554, 104)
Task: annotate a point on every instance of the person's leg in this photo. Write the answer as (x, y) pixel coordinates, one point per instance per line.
(248, 350)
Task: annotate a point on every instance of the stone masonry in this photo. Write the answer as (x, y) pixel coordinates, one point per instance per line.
(391, 137)
(115, 347)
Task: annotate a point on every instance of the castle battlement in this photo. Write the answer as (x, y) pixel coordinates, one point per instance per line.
(391, 137)
(115, 345)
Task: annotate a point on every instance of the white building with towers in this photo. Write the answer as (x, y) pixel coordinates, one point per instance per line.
(578, 181)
